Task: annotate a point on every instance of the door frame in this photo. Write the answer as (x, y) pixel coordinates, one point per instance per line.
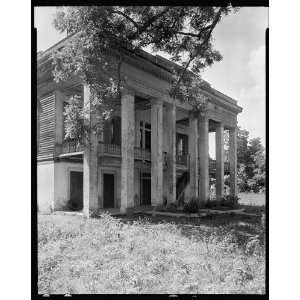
(113, 172)
(73, 169)
(141, 185)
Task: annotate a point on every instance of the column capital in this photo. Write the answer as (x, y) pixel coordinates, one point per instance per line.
(202, 118)
(232, 129)
(219, 124)
(170, 105)
(156, 101)
(128, 90)
(59, 92)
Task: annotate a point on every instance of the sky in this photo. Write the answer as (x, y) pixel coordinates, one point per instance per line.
(240, 38)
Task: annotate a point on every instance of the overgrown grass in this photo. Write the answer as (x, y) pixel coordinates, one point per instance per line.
(253, 199)
(107, 255)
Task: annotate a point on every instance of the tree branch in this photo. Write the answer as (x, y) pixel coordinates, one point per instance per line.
(212, 26)
(197, 35)
(118, 12)
(146, 25)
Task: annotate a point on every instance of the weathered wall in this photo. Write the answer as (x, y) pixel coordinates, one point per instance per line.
(45, 187)
(62, 182)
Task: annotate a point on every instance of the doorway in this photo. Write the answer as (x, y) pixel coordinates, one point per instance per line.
(108, 190)
(145, 189)
(76, 190)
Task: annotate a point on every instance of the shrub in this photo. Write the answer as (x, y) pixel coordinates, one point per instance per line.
(172, 207)
(192, 206)
(73, 205)
(160, 208)
(230, 201)
(211, 203)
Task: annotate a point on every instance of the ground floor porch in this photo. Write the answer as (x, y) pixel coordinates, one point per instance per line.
(61, 185)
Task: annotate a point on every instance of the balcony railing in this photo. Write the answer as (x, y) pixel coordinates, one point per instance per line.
(142, 154)
(139, 154)
(213, 166)
(70, 147)
(182, 159)
(109, 149)
(115, 150)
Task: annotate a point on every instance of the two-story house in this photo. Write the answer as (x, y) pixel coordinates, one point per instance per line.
(152, 149)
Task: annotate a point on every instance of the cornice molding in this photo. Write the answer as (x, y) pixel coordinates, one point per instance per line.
(143, 62)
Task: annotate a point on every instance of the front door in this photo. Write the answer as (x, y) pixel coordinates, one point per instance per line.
(108, 191)
(76, 190)
(145, 189)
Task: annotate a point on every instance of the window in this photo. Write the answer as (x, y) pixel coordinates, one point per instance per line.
(181, 144)
(145, 131)
(112, 131)
(116, 131)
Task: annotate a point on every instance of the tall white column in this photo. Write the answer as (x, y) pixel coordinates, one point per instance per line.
(171, 162)
(90, 161)
(127, 146)
(219, 161)
(203, 159)
(193, 151)
(233, 161)
(156, 152)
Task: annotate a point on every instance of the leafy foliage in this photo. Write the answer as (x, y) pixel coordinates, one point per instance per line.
(192, 206)
(251, 162)
(74, 120)
(230, 201)
(100, 36)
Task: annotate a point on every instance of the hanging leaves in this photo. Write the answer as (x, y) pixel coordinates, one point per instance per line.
(100, 35)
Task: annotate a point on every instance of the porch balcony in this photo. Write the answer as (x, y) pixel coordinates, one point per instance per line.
(182, 159)
(69, 147)
(213, 166)
(114, 150)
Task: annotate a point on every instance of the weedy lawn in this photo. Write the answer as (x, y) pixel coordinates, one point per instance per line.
(109, 255)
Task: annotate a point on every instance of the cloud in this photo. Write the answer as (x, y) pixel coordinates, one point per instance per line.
(252, 98)
(256, 65)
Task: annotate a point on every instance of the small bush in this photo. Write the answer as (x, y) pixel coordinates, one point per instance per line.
(172, 207)
(211, 203)
(160, 208)
(73, 205)
(230, 201)
(191, 206)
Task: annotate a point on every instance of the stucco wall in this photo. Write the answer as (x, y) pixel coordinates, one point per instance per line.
(45, 187)
(62, 183)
